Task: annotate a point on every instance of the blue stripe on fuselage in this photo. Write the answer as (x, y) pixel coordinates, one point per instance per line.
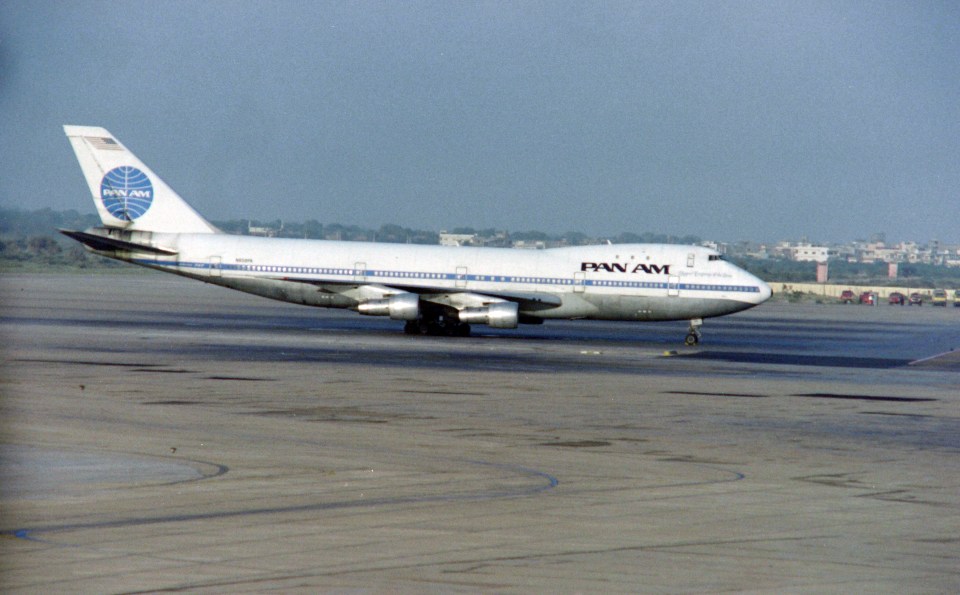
(341, 275)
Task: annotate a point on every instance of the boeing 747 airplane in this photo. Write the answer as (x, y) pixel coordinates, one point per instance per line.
(433, 289)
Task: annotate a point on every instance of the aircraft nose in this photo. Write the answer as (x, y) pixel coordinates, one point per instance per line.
(765, 292)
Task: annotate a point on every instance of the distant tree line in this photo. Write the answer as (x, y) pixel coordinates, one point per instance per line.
(29, 239)
(854, 273)
(42, 222)
(19, 224)
(314, 230)
(576, 238)
(397, 234)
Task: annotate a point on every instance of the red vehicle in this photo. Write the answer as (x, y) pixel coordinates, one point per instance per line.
(847, 297)
(897, 298)
(915, 299)
(869, 298)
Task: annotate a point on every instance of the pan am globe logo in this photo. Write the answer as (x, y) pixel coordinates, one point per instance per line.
(126, 192)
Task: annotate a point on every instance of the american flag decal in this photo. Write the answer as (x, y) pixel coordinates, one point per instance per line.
(103, 143)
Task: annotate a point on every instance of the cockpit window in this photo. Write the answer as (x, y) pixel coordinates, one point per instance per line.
(716, 257)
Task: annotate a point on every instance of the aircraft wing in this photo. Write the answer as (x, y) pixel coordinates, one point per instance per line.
(442, 296)
(527, 301)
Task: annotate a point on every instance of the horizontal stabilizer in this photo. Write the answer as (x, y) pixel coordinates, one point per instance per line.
(102, 243)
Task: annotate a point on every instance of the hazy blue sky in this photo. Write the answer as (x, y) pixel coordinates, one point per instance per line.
(728, 120)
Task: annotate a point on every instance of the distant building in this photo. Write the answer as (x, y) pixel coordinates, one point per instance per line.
(530, 244)
(810, 253)
(496, 239)
(457, 239)
(718, 246)
(823, 271)
(267, 232)
(951, 256)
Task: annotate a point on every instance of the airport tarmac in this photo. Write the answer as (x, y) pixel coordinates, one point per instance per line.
(160, 434)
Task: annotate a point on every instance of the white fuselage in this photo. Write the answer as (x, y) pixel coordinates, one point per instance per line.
(612, 282)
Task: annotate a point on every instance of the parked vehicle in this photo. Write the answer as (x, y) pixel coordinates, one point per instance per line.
(847, 296)
(939, 297)
(915, 299)
(896, 298)
(869, 298)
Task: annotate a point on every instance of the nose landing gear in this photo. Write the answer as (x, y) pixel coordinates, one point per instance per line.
(693, 333)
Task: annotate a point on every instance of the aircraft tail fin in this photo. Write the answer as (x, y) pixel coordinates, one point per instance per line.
(128, 195)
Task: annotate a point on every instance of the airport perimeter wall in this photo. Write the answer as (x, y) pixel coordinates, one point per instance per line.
(834, 291)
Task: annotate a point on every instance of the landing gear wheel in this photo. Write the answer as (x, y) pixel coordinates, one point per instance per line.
(437, 327)
(693, 333)
(453, 328)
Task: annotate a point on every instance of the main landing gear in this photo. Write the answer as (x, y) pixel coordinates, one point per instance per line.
(437, 327)
(693, 333)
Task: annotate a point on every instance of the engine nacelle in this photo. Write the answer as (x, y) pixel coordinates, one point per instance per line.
(498, 315)
(403, 306)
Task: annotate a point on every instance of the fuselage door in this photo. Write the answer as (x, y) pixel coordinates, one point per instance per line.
(673, 286)
(360, 271)
(579, 282)
(461, 277)
(216, 266)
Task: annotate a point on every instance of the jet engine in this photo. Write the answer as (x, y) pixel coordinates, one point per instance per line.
(403, 306)
(498, 315)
